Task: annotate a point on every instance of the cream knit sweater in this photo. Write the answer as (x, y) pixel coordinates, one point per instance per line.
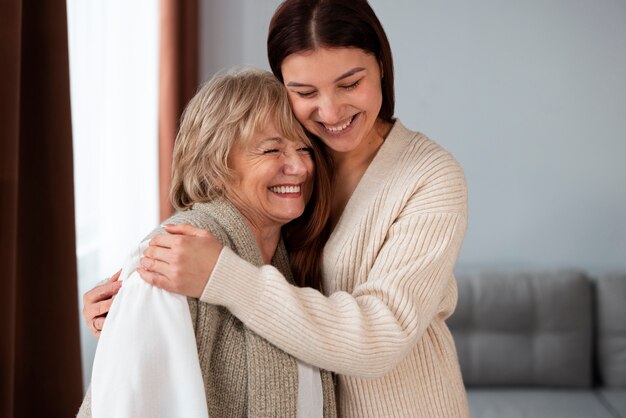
(389, 283)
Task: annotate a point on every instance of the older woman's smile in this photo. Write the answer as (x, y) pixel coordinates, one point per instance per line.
(287, 190)
(274, 178)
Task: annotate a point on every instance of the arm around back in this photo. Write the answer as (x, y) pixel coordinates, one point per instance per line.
(388, 269)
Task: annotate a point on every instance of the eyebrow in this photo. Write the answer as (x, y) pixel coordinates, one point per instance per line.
(341, 77)
(274, 139)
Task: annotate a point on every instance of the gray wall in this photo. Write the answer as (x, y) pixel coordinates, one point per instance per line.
(529, 96)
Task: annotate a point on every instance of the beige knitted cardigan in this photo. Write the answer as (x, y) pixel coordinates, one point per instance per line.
(244, 375)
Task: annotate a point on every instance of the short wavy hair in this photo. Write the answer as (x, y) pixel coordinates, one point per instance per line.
(230, 107)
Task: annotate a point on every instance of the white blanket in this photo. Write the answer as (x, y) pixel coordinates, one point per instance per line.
(146, 363)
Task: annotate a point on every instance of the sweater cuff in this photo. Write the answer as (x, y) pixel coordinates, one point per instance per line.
(232, 279)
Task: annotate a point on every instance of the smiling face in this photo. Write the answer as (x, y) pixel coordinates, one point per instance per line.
(274, 178)
(336, 94)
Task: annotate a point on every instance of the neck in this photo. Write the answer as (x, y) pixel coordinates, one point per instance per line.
(360, 158)
(267, 240)
(266, 234)
(350, 167)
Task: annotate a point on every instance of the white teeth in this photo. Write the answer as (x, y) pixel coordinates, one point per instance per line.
(338, 128)
(285, 189)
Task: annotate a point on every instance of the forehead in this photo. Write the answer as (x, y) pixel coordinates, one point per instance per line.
(268, 133)
(325, 63)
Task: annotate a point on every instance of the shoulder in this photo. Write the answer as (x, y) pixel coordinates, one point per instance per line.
(418, 159)
(200, 219)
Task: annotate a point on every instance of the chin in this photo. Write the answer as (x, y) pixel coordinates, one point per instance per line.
(295, 214)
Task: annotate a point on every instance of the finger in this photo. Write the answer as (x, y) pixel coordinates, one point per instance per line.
(97, 309)
(155, 279)
(94, 331)
(101, 292)
(164, 240)
(116, 276)
(110, 279)
(155, 266)
(185, 229)
(92, 312)
(158, 253)
(98, 323)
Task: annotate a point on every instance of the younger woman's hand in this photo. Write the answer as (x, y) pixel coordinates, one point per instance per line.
(182, 261)
(97, 303)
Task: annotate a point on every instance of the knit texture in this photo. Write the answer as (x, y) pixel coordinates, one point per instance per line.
(244, 375)
(389, 282)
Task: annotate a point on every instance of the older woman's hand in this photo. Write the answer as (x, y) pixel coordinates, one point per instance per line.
(182, 261)
(97, 303)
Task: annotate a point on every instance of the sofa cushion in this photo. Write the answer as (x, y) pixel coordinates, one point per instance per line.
(615, 400)
(524, 329)
(611, 312)
(543, 403)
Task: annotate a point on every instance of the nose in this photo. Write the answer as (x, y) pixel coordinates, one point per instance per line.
(329, 110)
(295, 164)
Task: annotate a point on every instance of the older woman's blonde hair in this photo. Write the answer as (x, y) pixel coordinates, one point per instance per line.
(232, 107)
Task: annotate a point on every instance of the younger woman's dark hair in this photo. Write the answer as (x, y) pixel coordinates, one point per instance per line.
(306, 235)
(305, 25)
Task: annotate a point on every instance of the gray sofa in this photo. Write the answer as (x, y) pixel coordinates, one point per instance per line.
(542, 344)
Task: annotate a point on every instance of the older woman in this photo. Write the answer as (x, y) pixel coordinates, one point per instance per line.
(243, 168)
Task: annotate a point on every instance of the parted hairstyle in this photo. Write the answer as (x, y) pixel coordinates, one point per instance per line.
(305, 25)
(232, 106)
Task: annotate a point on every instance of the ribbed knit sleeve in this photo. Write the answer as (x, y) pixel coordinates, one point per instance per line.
(388, 268)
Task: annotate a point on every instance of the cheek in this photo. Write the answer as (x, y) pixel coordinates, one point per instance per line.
(375, 95)
(310, 169)
(301, 110)
(310, 179)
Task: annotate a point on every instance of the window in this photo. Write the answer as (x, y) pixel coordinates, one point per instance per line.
(114, 90)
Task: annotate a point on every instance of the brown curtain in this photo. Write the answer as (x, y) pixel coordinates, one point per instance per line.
(178, 79)
(40, 373)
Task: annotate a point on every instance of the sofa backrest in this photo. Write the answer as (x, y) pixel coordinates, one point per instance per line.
(611, 329)
(524, 328)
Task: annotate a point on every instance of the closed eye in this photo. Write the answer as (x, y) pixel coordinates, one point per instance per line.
(306, 150)
(305, 93)
(351, 86)
(271, 151)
